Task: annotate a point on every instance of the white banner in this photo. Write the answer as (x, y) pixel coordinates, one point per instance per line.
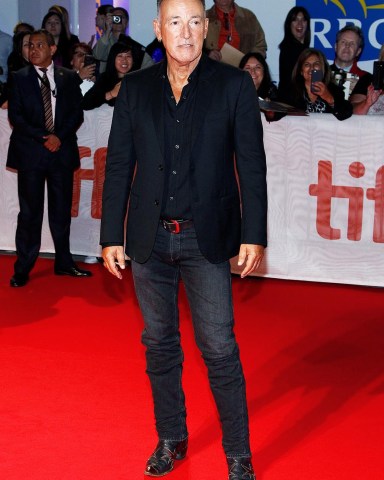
(325, 189)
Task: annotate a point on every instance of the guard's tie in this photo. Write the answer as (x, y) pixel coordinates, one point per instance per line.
(46, 93)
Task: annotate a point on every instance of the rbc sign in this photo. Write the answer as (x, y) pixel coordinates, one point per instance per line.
(329, 16)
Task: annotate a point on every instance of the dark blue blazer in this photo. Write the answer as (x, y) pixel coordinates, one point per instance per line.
(26, 115)
(226, 126)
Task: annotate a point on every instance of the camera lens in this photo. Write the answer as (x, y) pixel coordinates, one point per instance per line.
(116, 19)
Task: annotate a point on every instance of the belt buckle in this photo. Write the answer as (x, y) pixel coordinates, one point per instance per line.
(176, 226)
(172, 226)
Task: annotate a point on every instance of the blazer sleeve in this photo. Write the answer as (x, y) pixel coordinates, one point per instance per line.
(260, 44)
(17, 112)
(251, 164)
(120, 167)
(95, 97)
(70, 112)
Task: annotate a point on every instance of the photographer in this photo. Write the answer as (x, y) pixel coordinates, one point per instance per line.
(115, 26)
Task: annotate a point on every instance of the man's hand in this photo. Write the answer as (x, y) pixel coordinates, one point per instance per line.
(114, 259)
(52, 143)
(252, 255)
(215, 55)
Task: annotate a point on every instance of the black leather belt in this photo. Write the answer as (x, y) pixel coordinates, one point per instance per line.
(176, 226)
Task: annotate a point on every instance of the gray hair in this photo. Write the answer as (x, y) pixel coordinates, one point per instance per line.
(159, 2)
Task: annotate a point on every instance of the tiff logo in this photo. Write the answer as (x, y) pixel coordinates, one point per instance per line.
(96, 175)
(324, 190)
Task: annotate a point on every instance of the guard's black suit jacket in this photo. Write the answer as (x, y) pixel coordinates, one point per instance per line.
(226, 123)
(26, 114)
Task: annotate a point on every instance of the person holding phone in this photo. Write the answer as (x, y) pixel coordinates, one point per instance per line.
(86, 70)
(367, 97)
(107, 86)
(312, 89)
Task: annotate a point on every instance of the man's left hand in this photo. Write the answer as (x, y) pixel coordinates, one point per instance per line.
(251, 255)
(52, 143)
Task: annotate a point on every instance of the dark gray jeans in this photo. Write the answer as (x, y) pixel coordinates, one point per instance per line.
(209, 292)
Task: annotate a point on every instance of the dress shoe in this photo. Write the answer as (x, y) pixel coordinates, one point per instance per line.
(19, 280)
(73, 271)
(240, 469)
(161, 461)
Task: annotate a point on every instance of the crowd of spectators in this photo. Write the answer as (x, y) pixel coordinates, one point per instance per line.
(97, 62)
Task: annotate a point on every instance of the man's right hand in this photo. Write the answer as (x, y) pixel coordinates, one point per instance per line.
(114, 259)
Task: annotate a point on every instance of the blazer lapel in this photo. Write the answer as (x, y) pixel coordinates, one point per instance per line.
(59, 79)
(158, 106)
(204, 96)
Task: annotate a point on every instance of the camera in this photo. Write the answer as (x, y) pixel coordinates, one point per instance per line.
(117, 19)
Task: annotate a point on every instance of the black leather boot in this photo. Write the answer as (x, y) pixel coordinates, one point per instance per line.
(162, 459)
(240, 469)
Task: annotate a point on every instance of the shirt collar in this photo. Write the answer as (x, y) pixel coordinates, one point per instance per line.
(50, 69)
(220, 14)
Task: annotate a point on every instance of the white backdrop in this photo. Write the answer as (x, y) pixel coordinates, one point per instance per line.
(294, 147)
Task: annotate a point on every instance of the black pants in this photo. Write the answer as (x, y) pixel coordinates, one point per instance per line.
(31, 189)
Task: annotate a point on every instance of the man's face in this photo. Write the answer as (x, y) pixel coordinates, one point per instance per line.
(40, 53)
(100, 21)
(118, 28)
(224, 5)
(347, 48)
(182, 27)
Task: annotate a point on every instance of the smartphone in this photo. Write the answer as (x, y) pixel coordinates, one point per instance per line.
(378, 75)
(316, 76)
(89, 60)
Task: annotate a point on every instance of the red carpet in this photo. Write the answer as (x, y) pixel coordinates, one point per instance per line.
(75, 402)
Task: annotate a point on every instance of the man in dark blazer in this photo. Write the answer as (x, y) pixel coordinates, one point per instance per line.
(176, 130)
(41, 154)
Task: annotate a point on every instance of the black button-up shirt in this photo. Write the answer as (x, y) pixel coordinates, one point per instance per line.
(178, 120)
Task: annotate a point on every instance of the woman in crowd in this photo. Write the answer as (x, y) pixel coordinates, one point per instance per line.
(297, 36)
(23, 27)
(86, 71)
(107, 86)
(65, 16)
(365, 99)
(54, 24)
(17, 59)
(19, 55)
(319, 96)
(254, 63)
